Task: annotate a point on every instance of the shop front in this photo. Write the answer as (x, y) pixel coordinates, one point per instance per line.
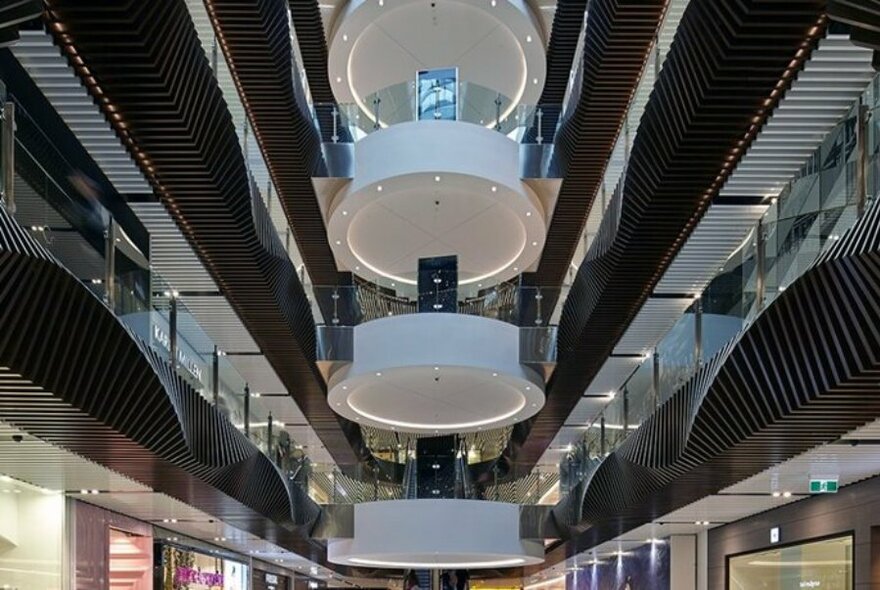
(830, 541)
(184, 568)
(266, 580)
(818, 565)
(32, 526)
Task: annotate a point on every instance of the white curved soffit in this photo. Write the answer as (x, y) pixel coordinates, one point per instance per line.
(436, 188)
(376, 44)
(436, 373)
(438, 534)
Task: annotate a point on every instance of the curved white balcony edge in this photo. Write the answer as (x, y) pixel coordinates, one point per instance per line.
(436, 534)
(374, 45)
(436, 188)
(436, 373)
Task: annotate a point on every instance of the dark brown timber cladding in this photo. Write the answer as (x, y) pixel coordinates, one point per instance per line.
(146, 68)
(728, 67)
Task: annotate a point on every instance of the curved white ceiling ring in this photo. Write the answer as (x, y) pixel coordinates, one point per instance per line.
(486, 535)
(375, 45)
(436, 373)
(435, 188)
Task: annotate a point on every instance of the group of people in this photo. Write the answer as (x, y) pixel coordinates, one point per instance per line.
(449, 580)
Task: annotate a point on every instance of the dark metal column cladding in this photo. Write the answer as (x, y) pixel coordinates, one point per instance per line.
(727, 69)
(143, 63)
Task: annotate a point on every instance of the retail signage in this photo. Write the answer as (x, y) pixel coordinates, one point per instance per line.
(774, 535)
(188, 575)
(823, 486)
(183, 359)
(271, 579)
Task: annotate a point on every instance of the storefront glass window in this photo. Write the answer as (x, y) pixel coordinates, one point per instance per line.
(31, 533)
(189, 570)
(822, 565)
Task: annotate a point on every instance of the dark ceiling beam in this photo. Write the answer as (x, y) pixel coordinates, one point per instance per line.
(255, 38)
(802, 375)
(728, 68)
(145, 67)
(73, 375)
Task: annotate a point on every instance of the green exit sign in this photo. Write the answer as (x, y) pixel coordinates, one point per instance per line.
(823, 486)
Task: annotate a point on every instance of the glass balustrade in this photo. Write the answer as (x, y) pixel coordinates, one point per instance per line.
(61, 208)
(812, 213)
(350, 122)
(356, 304)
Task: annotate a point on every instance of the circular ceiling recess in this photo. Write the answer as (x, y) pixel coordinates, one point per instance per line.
(497, 47)
(436, 373)
(436, 188)
(486, 535)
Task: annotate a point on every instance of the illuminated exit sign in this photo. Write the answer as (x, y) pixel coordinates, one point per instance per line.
(823, 486)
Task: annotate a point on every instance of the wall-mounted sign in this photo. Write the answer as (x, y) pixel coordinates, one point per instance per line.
(188, 575)
(774, 535)
(271, 578)
(823, 486)
(183, 359)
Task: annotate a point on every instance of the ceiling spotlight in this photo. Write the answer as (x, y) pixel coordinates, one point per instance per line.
(528, 38)
(436, 179)
(515, 269)
(534, 80)
(338, 242)
(528, 213)
(379, 188)
(494, 374)
(786, 494)
(534, 243)
(436, 368)
(777, 494)
(378, 373)
(345, 212)
(338, 79)
(494, 189)
(494, 3)
(345, 37)
(84, 492)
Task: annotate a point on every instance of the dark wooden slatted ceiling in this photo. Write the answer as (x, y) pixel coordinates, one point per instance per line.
(72, 374)
(255, 38)
(789, 384)
(729, 65)
(143, 63)
(618, 38)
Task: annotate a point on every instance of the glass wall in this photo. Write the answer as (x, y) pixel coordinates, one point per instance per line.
(827, 565)
(31, 536)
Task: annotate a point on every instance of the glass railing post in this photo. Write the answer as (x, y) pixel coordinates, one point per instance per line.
(602, 448)
(269, 437)
(625, 412)
(110, 265)
(172, 329)
(698, 333)
(247, 411)
(376, 102)
(539, 115)
(215, 375)
(862, 162)
(335, 136)
(8, 147)
(759, 266)
(655, 377)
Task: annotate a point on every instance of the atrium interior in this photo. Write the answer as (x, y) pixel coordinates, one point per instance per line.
(439, 294)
